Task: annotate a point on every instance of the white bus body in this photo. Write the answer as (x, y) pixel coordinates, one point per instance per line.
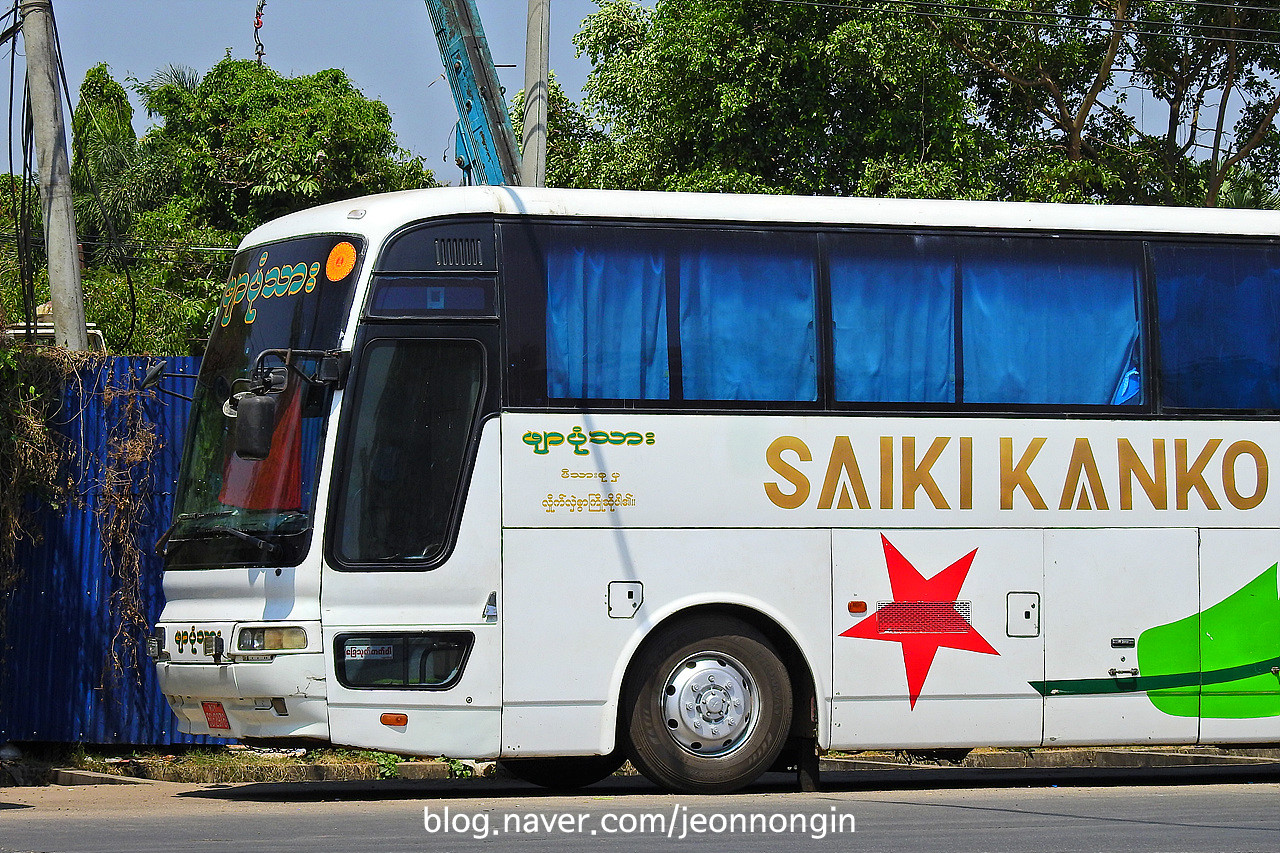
(948, 572)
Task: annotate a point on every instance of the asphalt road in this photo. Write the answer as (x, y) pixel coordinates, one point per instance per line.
(1182, 809)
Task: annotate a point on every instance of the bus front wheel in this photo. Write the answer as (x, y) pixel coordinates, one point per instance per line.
(708, 706)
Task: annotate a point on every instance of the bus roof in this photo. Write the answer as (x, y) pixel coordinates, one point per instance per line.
(378, 215)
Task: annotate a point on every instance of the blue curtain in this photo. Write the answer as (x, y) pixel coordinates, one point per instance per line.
(747, 318)
(892, 308)
(606, 321)
(1046, 323)
(1219, 310)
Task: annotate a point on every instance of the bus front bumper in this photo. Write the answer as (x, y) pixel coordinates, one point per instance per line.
(281, 697)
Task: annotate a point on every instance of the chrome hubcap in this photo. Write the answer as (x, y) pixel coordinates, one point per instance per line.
(709, 704)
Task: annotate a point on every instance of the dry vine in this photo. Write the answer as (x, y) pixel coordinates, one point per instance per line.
(126, 484)
(41, 466)
(38, 465)
(34, 458)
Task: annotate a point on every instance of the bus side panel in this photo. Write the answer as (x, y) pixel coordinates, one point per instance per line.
(1106, 594)
(463, 720)
(568, 640)
(1240, 628)
(945, 646)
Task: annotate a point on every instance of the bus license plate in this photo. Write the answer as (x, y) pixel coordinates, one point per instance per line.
(215, 715)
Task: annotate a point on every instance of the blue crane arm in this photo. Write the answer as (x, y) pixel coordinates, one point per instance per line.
(484, 122)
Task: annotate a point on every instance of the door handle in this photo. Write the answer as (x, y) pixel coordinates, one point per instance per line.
(1124, 673)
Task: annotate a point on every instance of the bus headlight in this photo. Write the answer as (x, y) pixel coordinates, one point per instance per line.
(271, 639)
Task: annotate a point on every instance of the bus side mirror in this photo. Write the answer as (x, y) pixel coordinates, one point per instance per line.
(255, 422)
(153, 376)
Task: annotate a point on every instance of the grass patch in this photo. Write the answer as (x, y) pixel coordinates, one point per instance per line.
(224, 763)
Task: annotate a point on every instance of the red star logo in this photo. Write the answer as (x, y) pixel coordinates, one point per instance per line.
(923, 616)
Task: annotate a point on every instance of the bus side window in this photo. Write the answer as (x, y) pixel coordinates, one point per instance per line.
(893, 319)
(1050, 322)
(655, 314)
(1219, 320)
(748, 312)
(1041, 322)
(606, 317)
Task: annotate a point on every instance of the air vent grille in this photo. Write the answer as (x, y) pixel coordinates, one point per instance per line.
(458, 253)
(923, 617)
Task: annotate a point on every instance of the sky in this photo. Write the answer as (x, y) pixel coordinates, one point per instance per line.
(386, 47)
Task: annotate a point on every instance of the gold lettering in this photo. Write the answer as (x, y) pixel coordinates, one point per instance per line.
(1019, 476)
(917, 476)
(1082, 461)
(774, 457)
(1186, 479)
(843, 461)
(1156, 484)
(966, 472)
(886, 472)
(1234, 452)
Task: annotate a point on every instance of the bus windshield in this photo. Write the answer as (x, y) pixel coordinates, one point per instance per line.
(292, 298)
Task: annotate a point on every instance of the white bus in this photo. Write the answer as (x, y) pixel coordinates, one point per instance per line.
(709, 482)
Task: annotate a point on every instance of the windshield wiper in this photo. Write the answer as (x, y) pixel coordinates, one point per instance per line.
(263, 544)
(162, 544)
(214, 532)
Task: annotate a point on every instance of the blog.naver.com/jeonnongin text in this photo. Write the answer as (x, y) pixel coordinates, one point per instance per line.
(675, 823)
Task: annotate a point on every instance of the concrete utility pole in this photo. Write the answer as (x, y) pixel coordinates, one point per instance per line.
(533, 166)
(55, 175)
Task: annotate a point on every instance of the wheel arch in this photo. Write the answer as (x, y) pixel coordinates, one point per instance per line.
(808, 715)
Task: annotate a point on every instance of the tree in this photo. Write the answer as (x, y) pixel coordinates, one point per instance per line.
(112, 178)
(250, 145)
(1002, 99)
(1052, 79)
(158, 214)
(741, 95)
(1219, 61)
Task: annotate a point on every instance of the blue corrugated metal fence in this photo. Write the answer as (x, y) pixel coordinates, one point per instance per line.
(56, 680)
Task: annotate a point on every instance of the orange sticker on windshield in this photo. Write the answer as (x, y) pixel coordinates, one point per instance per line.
(342, 260)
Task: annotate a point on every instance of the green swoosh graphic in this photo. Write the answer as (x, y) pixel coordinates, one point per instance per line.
(1145, 683)
(1219, 663)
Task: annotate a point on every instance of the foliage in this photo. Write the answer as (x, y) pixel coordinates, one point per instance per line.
(33, 460)
(158, 215)
(1215, 71)
(388, 763)
(124, 490)
(459, 769)
(112, 176)
(751, 95)
(999, 99)
(1248, 189)
(1054, 79)
(249, 145)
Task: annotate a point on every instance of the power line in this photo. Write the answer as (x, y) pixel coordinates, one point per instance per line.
(93, 182)
(1085, 22)
(155, 244)
(140, 245)
(1197, 4)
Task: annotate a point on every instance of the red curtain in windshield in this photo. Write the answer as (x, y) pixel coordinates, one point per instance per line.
(275, 483)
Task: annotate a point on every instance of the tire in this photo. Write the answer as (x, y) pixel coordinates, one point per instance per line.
(708, 706)
(564, 774)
